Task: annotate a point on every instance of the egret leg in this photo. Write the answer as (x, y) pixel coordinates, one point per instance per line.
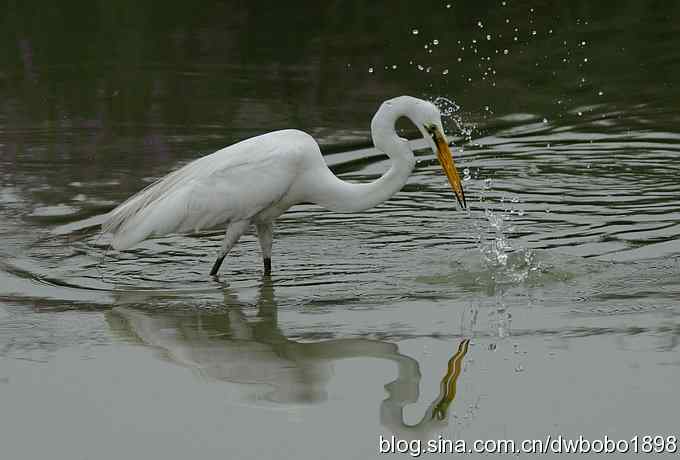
(231, 236)
(265, 233)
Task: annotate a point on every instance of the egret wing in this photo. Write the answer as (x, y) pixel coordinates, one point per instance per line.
(234, 183)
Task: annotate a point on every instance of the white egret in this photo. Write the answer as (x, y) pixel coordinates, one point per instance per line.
(256, 180)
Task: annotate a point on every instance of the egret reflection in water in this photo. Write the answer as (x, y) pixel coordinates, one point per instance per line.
(229, 346)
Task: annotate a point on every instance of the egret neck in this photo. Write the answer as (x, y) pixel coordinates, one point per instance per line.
(335, 194)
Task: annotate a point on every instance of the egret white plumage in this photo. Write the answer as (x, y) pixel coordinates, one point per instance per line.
(256, 180)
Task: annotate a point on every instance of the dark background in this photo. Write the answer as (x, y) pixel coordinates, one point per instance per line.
(108, 85)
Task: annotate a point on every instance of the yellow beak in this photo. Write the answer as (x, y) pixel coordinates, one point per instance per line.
(446, 160)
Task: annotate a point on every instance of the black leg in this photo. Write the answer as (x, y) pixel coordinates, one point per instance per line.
(216, 265)
(267, 266)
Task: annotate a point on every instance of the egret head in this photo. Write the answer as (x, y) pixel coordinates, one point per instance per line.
(427, 119)
(429, 123)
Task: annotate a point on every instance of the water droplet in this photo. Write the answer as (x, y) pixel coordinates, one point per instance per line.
(420, 67)
(394, 66)
(415, 31)
(445, 72)
(370, 70)
(446, 106)
(585, 59)
(460, 59)
(519, 368)
(583, 43)
(448, 5)
(600, 93)
(533, 32)
(480, 25)
(580, 114)
(505, 51)
(435, 42)
(488, 36)
(545, 120)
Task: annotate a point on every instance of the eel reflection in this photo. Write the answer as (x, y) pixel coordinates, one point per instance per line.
(229, 346)
(448, 385)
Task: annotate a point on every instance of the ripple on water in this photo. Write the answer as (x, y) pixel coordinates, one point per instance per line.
(59, 210)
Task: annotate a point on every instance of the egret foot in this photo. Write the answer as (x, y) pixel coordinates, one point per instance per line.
(267, 266)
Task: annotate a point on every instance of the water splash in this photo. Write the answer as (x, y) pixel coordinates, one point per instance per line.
(507, 266)
(452, 119)
(446, 106)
